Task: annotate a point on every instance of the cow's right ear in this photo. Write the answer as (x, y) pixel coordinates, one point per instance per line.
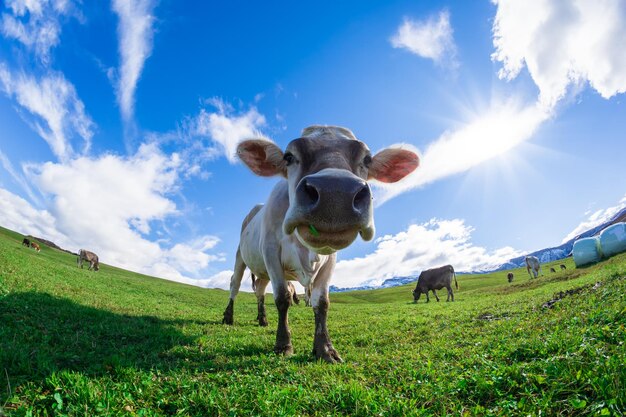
(263, 157)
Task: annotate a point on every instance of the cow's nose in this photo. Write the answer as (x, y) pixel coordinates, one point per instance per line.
(308, 194)
(333, 195)
(362, 199)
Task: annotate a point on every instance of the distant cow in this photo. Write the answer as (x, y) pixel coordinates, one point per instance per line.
(35, 246)
(435, 279)
(26, 242)
(92, 258)
(509, 276)
(532, 263)
(562, 266)
(552, 270)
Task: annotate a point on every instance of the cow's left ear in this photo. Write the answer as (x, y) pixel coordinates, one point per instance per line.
(263, 157)
(393, 164)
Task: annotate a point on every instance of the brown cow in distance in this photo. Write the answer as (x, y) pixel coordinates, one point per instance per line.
(563, 266)
(35, 246)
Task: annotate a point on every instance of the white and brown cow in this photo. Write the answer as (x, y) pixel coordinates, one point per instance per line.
(92, 258)
(318, 208)
(532, 264)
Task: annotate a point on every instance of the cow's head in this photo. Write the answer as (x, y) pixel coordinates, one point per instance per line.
(417, 292)
(327, 170)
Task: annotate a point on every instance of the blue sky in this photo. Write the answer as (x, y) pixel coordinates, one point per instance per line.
(119, 122)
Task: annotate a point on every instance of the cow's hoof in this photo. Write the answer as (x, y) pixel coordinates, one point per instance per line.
(284, 350)
(228, 317)
(327, 353)
(262, 322)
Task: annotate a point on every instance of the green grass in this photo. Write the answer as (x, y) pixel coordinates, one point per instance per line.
(78, 343)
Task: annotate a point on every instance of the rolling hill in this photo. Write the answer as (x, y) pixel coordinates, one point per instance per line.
(108, 343)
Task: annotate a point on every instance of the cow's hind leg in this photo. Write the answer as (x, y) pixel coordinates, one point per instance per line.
(235, 283)
(259, 291)
(450, 294)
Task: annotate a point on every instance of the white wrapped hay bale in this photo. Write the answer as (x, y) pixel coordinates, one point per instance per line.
(586, 251)
(613, 239)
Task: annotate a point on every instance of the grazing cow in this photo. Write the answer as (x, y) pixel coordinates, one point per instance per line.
(435, 279)
(35, 246)
(552, 270)
(532, 263)
(318, 208)
(562, 267)
(509, 276)
(26, 242)
(92, 258)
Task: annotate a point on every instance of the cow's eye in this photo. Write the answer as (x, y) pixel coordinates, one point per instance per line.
(367, 161)
(289, 158)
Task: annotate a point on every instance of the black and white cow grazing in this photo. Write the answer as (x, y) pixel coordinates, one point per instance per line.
(319, 207)
(92, 258)
(509, 276)
(435, 279)
(26, 242)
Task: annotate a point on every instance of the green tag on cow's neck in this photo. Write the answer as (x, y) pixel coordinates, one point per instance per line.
(313, 230)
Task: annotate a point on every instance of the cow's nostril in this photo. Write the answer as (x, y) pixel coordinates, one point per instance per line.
(311, 193)
(362, 198)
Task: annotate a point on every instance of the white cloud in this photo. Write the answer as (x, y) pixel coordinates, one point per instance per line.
(430, 39)
(596, 219)
(17, 214)
(421, 246)
(109, 205)
(563, 44)
(226, 128)
(60, 114)
(17, 177)
(35, 23)
(502, 127)
(135, 32)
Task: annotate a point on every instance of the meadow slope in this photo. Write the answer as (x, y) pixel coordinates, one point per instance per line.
(78, 343)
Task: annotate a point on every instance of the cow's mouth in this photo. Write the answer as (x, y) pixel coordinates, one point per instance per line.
(328, 241)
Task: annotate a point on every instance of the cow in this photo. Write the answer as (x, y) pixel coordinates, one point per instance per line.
(35, 246)
(509, 276)
(435, 279)
(562, 267)
(320, 205)
(532, 263)
(92, 258)
(552, 270)
(26, 242)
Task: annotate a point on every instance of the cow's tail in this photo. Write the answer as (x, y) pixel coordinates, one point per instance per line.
(456, 284)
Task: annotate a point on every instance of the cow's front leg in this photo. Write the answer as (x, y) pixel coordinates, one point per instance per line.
(282, 297)
(436, 297)
(322, 345)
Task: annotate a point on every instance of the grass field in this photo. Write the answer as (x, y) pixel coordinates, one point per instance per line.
(78, 343)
